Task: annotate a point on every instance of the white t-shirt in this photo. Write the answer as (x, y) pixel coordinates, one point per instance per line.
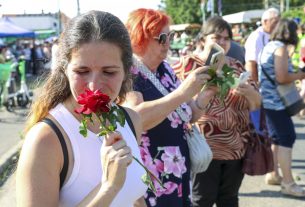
(255, 43)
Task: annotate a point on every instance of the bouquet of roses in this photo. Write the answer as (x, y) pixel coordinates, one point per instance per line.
(98, 104)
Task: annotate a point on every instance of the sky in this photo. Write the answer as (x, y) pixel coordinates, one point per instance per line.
(120, 8)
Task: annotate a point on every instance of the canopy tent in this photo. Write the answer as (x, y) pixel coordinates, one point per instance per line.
(244, 16)
(182, 27)
(44, 34)
(9, 29)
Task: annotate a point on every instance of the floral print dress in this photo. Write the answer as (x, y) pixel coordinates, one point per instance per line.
(163, 148)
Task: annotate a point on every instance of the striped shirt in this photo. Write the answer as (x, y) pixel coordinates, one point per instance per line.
(225, 125)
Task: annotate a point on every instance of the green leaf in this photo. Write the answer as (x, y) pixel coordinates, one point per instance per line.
(112, 128)
(103, 133)
(121, 117)
(145, 178)
(83, 128)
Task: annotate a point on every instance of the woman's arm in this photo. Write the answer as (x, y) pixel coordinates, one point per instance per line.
(137, 123)
(41, 161)
(115, 157)
(200, 102)
(38, 170)
(100, 196)
(251, 94)
(281, 67)
(154, 112)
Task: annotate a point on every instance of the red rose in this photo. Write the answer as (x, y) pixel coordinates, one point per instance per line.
(303, 59)
(93, 102)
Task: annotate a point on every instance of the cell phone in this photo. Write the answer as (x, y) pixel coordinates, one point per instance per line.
(215, 55)
(243, 77)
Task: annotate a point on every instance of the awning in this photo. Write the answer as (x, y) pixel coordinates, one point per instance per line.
(44, 34)
(182, 27)
(9, 29)
(244, 16)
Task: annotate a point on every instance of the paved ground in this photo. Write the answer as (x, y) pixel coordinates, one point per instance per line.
(255, 193)
(11, 126)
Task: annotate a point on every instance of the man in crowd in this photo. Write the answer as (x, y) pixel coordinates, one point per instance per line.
(258, 39)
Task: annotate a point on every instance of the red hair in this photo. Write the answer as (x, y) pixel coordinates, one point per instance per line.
(144, 24)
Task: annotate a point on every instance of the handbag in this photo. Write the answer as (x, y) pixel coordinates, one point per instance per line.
(289, 95)
(199, 150)
(258, 158)
(291, 98)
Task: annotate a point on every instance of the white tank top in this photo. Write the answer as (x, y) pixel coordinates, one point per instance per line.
(87, 171)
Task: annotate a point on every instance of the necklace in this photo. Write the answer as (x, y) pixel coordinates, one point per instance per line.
(144, 70)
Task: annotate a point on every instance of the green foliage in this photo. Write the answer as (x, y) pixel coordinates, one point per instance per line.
(189, 11)
(233, 6)
(83, 128)
(186, 11)
(295, 13)
(223, 81)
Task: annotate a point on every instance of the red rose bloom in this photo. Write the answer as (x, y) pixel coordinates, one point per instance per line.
(303, 59)
(93, 102)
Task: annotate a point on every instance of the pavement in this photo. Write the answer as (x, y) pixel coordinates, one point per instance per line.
(253, 193)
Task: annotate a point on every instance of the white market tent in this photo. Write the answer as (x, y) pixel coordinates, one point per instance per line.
(182, 27)
(244, 16)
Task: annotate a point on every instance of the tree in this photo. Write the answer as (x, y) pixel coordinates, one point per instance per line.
(189, 11)
(186, 11)
(297, 12)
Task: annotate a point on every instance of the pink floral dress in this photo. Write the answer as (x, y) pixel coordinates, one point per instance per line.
(164, 149)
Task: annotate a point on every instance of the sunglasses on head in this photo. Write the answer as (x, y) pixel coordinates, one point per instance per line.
(163, 37)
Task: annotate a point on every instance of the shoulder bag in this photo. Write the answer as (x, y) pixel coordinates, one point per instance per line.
(289, 95)
(258, 158)
(199, 150)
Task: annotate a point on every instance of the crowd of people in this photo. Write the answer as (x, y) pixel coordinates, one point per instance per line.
(96, 51)
(37, 55)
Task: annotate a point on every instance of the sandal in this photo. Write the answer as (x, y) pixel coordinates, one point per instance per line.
(270, 179)
(292, 189)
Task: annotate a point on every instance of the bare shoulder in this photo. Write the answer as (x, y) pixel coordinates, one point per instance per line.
(41, 148)
(136, 120)
(280, 52)
(39, 167)
(41, 138)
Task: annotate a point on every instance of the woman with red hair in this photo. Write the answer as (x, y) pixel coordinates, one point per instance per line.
(165, 112)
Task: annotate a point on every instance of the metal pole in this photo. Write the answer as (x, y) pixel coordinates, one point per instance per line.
(59, 22)
(287, 5)
(266, 4)
(203, 10)
(78, 8)
(212, 13)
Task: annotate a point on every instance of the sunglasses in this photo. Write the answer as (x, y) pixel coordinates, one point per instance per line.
(164, 36)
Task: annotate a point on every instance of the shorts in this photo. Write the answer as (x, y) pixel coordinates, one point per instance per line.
(280, 127)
